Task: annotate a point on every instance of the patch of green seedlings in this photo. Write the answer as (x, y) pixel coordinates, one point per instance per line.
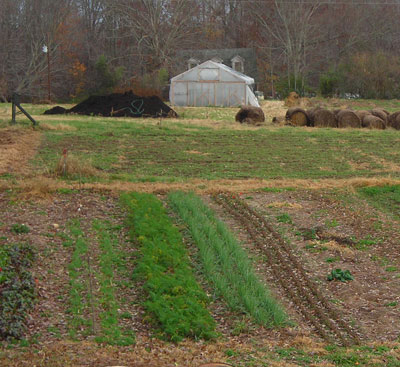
(108, 262)
(386, 198)
(17, 289)
(277, 189)
(284, 218)
(175, 299)
(79, 297)
(18, 228)
(365, 243)
(225, 263)
(341, 275)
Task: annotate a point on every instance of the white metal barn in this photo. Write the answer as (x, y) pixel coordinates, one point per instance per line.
(212, 84)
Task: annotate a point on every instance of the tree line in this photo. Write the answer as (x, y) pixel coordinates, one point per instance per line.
(67, 49)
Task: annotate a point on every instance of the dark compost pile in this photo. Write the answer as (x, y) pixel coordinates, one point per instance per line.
(119, 105)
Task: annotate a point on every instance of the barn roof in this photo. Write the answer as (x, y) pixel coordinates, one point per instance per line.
(225, 55)
(191, 75)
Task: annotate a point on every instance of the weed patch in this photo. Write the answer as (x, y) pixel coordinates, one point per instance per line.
(225, 263)
(20, 228)
(17, 289)
(174, 298)
(341, 275)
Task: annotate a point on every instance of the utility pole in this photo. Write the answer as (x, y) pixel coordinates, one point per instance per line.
(46, 50)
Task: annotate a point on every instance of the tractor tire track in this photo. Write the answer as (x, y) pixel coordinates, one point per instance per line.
(288, 271)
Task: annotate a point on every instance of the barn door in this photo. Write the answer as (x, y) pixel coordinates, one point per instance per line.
(202, 94)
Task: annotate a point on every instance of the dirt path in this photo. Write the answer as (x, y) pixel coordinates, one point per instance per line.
(17, 147)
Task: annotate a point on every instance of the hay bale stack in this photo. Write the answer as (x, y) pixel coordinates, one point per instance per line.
(348, 118)
(292, 100)
(324, 118)
(379, 112)
(297, 116)
(362, 113)
(250, 115)
(336, 112)
(394, 120)
(311, 114)
(373, 122)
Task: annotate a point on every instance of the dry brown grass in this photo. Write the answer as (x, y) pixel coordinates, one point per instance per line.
(336, 246)
(209, 187)
(57, 127)
(41, 189)
(17, 146)
(70, 165)
(285, 204)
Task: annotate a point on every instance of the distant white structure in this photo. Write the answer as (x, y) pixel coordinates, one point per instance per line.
(212, 84)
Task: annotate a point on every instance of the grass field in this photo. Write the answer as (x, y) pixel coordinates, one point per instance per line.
(238, 273)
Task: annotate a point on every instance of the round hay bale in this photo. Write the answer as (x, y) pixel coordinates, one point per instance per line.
(324, 118)
(348, 118)
(292, 100)
(336, 112)
(250, 115)
(394, 120)
(378, 112)
(373, 122)
(297, 116)
(311, 114)
(362, 113)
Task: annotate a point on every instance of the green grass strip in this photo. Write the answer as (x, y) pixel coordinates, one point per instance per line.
(174, 297)
(78, 285)
(386, 198)
(225, 263)
(109, 260)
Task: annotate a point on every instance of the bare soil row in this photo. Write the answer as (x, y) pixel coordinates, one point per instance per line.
(290, 274)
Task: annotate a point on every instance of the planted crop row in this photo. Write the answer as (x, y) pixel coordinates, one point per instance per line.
(17, 289)
(84, 302)
(175, 299)
(80, 296)
(109, 261)
(226, 264)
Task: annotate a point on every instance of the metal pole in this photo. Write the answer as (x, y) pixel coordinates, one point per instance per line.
(14, 109)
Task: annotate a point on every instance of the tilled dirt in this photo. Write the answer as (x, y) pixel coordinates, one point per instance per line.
(291, 275)
(326, 234)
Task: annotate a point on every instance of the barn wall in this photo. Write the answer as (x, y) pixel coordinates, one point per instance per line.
(201, 94)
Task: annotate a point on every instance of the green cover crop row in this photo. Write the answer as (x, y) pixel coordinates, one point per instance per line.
(174, 297)
(225, 263)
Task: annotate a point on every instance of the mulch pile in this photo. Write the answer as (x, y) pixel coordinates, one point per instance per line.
(118, 105)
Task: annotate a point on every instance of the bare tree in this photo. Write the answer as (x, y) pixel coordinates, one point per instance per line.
(159, 27)
(291, 32)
